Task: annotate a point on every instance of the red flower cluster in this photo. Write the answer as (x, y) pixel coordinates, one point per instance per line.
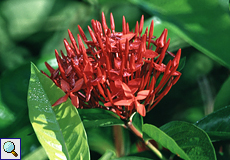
(118, 71)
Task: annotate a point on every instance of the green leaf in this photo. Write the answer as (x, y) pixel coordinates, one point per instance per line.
(14, 87)
(216, 125)
(28, 142)
(108, 155)
(194, 141)
(203, 24)
(99, 118)
(101, 139)
(6, 116)
(59, 129)
(181, 64)
(152, 132)
(222, 98)
(183, 139)
(137, 121)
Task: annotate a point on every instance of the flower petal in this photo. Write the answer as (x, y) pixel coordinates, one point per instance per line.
(61, 100)
(140, 108)
(127, 90)
(74, 100)
(123, 102)
(78, 85)
(142, 94)
(150, 54)
(64, 85)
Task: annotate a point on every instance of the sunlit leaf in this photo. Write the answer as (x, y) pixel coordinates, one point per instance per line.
(59, 129)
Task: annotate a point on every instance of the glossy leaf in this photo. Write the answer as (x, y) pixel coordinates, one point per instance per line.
(152, 132)
(59, 129)
(197, 22)
(99, 118)
(183, 139)
(194, 141)
(216, 125)
(222, 98)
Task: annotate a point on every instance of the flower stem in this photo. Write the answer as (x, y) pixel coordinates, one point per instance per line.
(147, 143)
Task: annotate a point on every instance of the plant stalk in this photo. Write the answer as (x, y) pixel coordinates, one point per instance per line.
(147, 143)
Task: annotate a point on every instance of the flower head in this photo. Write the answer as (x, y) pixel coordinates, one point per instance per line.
(117, 71)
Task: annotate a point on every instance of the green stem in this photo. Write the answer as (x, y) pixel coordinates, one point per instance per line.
(147, 143)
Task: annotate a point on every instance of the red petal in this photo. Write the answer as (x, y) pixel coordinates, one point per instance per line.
(51, 70)
(78, 85)
(128, 36)
(127, 91)
(140, 108)
(142, 94)
(127, 102)
(74, 100)
(65, 86)
(61, 100)
(108, 104)
(88, 70)
(150, 54)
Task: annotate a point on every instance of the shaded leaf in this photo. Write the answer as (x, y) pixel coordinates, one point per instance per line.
(152, 132)
(181, 64)
(216, 125)
(59, 129)
(222, 98)
(196, 24)
(194, 141)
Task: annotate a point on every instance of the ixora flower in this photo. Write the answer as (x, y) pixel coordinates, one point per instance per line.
(117, 71)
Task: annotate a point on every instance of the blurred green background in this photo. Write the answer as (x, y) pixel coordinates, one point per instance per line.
(32, 30)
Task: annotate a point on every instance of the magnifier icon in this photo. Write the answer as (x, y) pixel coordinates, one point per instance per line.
(9, 147)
